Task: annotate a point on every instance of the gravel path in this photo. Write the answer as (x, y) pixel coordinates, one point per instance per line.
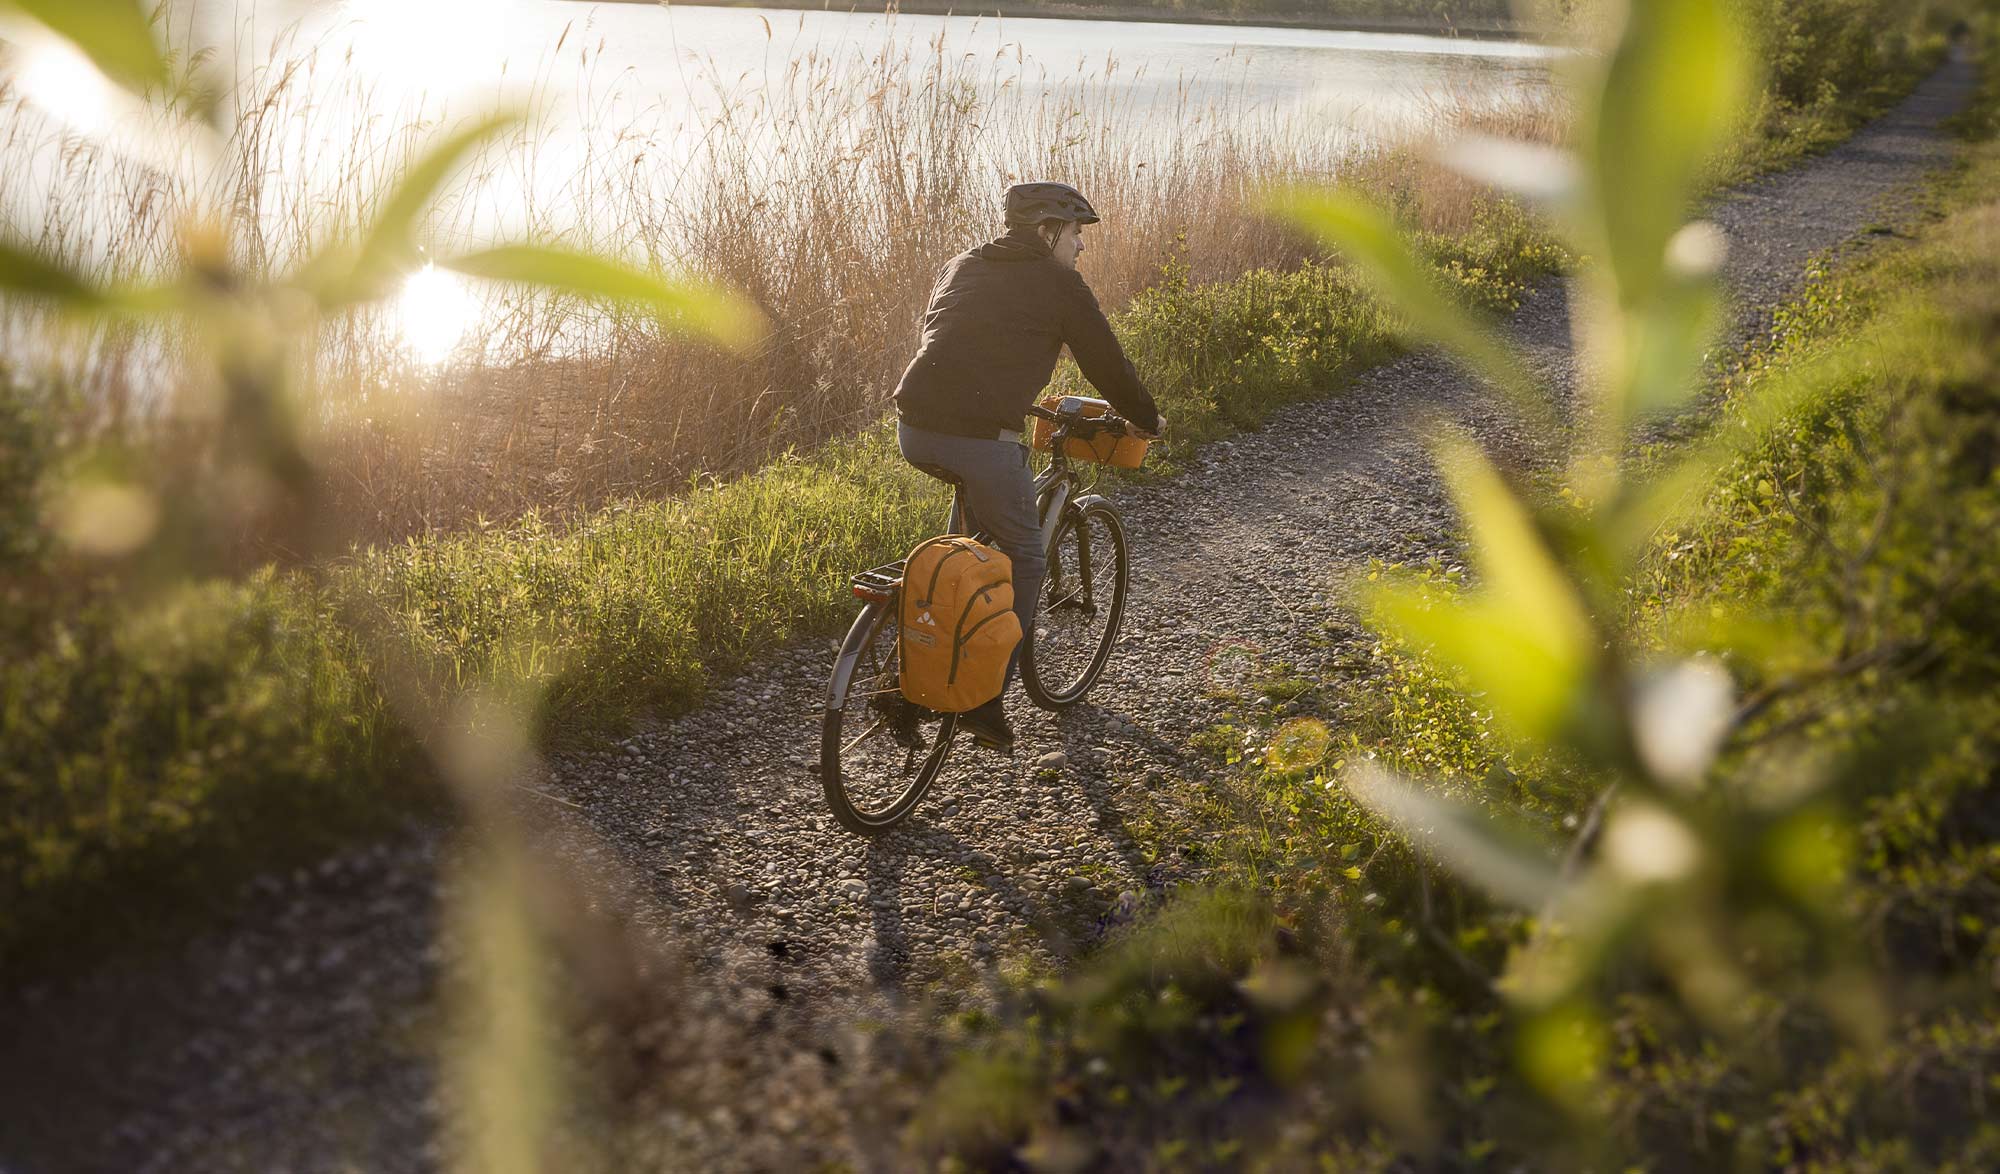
(756, 938)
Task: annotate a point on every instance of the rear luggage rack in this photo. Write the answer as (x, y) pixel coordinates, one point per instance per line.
(881, 583)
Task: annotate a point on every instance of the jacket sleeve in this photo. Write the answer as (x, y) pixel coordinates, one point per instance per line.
(1089, 337)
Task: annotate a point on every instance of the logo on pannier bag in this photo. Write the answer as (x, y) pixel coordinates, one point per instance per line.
(916, 637)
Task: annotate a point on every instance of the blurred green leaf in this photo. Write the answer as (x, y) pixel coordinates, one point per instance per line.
(1529, 684)
(1370, 240)
(1670, 95)
(1808, 854)
(1590, 918)
(1770, 640)
(1515, 563)
(25, 271)
(1562, 1052)
(704, 309)
(116, 35)
(368, 267)
(1523, 638)
(1705, 968)
(1665, 343)
(1464, 839)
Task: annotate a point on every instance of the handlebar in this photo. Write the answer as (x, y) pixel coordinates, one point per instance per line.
(1106, 422)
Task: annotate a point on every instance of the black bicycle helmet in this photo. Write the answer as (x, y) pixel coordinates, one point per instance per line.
(1032, 203)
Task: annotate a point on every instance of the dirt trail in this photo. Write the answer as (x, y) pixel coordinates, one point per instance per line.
(297, 1035)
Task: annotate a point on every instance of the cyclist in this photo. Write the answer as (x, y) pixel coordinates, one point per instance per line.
(998, 319)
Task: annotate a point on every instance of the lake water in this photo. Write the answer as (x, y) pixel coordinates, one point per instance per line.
(646, 54)
(603, 70)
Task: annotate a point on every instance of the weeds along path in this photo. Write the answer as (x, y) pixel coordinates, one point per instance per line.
(300, 1035)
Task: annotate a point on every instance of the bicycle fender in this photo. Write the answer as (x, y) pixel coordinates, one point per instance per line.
(850, 653)
(1090, 499)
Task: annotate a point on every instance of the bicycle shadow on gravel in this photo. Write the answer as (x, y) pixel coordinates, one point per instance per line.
(890, 958)
(1094, 753)
(1090, 771)
(1089, 725)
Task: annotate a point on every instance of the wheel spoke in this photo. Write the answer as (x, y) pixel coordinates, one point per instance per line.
(880, 752)
(1081, 606)
(864, 735)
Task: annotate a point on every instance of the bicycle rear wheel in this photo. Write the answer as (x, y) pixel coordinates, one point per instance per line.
(1083, 603)
(878, 752)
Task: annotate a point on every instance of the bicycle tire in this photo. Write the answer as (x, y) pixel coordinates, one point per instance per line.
(1090, 529)
(864, 790)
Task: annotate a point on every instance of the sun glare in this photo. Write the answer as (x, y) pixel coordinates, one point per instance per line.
(442, 44)
(434, 312)
(62, 81)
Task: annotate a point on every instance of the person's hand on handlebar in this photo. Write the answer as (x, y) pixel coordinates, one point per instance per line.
(1158, 431)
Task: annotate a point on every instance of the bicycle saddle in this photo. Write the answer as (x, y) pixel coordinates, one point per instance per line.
(940, 472)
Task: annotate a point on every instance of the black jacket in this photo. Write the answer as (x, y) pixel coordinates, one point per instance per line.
(998, 320)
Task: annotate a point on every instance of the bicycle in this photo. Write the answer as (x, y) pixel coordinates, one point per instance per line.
(879, 752)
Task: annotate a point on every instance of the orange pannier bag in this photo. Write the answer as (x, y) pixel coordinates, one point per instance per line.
(957, 628)
(1105, 448)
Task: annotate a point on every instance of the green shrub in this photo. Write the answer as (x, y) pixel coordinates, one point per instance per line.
(1829, 65)
(149, 751)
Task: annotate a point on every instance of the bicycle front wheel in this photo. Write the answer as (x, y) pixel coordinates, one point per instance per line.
(879, 752)
(1083, 603)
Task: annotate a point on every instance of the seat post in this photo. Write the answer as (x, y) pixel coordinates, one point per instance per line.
(955, 524)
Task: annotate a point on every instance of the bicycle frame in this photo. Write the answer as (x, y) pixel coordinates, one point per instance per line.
(1053, 487)
(1052, 492)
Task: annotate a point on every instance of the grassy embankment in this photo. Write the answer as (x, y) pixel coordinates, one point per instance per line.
(1338, 998)
(235, 724)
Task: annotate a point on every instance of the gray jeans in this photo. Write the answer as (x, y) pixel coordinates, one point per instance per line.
(999, 500)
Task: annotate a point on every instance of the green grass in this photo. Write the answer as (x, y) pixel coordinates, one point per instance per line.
(637, 608)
